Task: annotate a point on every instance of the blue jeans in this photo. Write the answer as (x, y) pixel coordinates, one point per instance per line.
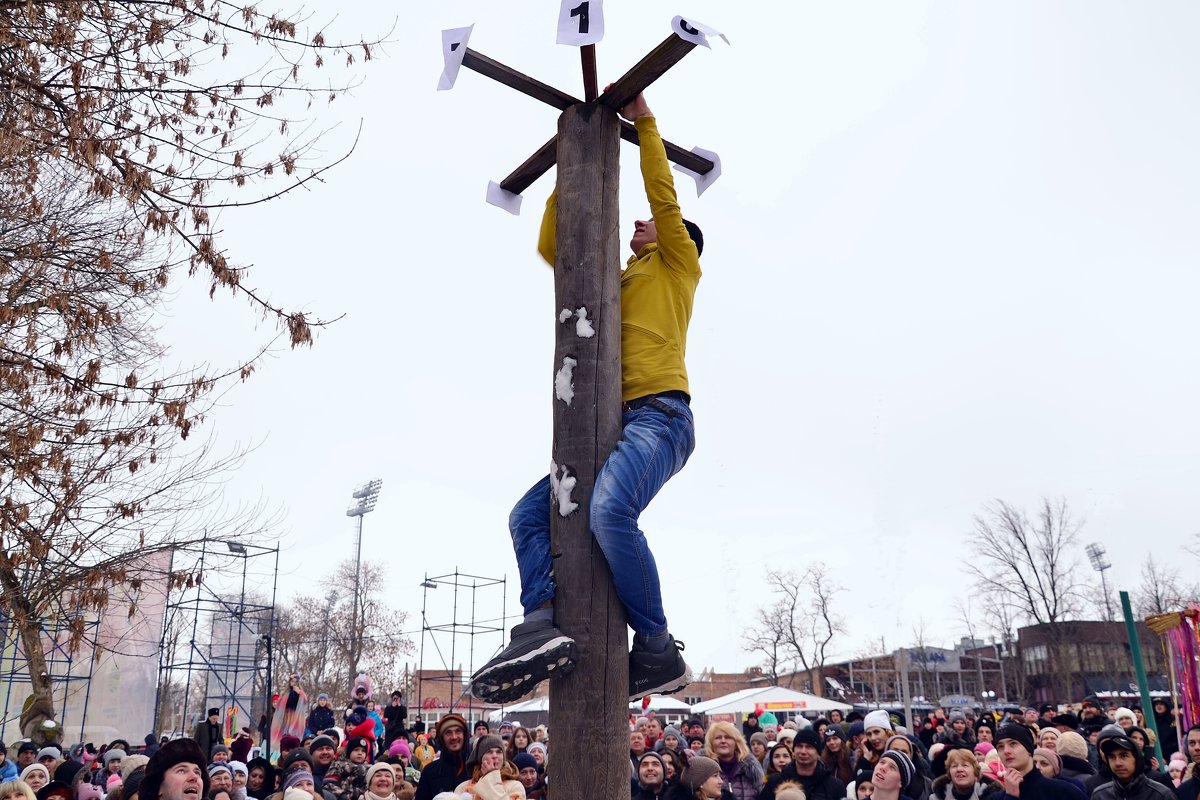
(654, 445)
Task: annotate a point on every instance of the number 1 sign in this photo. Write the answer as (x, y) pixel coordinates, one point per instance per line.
(580, 22)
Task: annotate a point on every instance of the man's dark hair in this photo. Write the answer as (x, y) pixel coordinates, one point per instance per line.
(694, 231)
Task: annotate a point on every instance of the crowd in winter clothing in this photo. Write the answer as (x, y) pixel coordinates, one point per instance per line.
(1045, 753)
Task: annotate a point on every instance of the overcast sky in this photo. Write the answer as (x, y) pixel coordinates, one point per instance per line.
(952, 257)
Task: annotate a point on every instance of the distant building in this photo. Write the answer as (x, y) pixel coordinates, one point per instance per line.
(1073, 659)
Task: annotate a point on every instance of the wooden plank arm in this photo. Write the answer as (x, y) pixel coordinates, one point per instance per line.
(534, 167)
(516, 80)
(546, 156)
(645, 72)
(684, 158)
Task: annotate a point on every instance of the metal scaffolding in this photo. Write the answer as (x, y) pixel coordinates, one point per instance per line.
(444, 637)
(69, 671)
(216, 640)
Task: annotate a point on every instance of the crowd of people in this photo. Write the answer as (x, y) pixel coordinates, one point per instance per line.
(1079, 752)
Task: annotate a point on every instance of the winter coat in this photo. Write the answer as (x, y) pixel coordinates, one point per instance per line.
(841, 765)
(8, 771)
(395, 718)
(1077, 769)
(985, 789)
(491, 787)
(345, 780)
(319, 719)
(640, 793)
(747, 779)
(207, 735)
(1189, 790)
(374, 715)
(821, 785)
(1140, 788)
(442, 774)
(1036, 786)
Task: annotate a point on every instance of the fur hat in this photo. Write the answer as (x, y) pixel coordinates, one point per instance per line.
(790, 791)
(1125, 713)
(482, 745)
(698, 770)
(131, 763)
(877, 719)
(176, 751)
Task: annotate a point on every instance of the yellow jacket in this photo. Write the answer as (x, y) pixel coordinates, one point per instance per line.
(658, 285)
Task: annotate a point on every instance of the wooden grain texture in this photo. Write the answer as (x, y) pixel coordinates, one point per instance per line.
(534, 167)
(591, 84)
(480, 63)
(588, 707)
(646, 72)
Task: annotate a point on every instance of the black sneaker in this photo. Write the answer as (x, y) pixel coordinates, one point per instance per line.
(657, 673)
(536, 651)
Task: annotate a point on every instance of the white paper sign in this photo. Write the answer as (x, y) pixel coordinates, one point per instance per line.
(708, 178)
(695, 32)
(502, 199)
(580, 22)
(454, 49)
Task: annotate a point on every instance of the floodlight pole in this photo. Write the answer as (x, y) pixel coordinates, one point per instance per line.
(366, 495)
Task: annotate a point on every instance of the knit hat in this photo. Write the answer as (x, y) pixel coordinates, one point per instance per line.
(399, 748)
(220, 748)
(213, 769)
(288, 742)
(1018, 733)
(957, 715)
(787, 734)
(321, 741)
(296, 777)
(112, 755)
(113, 782)
(27, 747)
(382, 765)
(790, 792)
(698, 770)
(760, 737)
(1124, 713)
(1067, 720)
(131, 763)
(238, 768)
(88, 791)
(447, 722)
(835, 732)
(648, 754)
(983, 748)
(1050, 756)
(176, 751)
(66, 772)
(297, 754)
(524, 760)
(537, 746)
(133, 784)
(482, 745)
(49, 752)
(358, 743)
(671, 730)
(807, 736)
(35, 767)
(855, 729)
(877, 719)
(767, 718)
(902, 762)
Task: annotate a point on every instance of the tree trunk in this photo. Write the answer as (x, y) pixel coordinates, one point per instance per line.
(588, 707)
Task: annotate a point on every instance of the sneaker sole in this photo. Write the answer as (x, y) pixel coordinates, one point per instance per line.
(517, 677)
(669, 687)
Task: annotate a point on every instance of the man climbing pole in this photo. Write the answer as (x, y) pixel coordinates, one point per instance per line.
(657, 291)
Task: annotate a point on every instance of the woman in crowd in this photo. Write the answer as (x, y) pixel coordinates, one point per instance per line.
(778, 757)
(724, 744)
(16, 790)
(492, 778)
(1048, 738)
(836, 754)
(518, 743)
(758, 747)
(35, 776)
(381, 782)
(703, 779)
(964, 779)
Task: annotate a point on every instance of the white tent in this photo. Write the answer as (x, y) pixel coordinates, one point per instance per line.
(768, 698)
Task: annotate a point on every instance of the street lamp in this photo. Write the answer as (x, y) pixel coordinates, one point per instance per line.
(1099, 558)
(365, 497)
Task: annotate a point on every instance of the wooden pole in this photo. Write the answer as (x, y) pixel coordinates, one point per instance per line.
(589, 706)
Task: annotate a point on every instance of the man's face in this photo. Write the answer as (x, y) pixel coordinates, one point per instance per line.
(1014, 755)
(220, 758)
(528, 777)
(806, 757)
(645, 233)
(214, 718)
(984, 734)
(182, 782)
(25, 758)
(886, 775)
(1122, 763)
(1089, 711)
(481, 729)
(220, 779)
(653, 730)
(877, 738)
(637, 742)
(650, 772)
(324, 755)
(1031, 716)
(1047, 716)
(1193, 745)
(452, 738)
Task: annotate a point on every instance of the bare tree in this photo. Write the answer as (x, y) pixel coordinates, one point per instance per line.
(318, 637)
(1162, 590)
(1027, 570)
(796, 629)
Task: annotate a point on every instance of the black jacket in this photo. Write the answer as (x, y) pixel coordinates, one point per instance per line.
(395, 719)
(1077, 768)
(443, 774)
(1140, 788)
(1036, 786)
(821, 785)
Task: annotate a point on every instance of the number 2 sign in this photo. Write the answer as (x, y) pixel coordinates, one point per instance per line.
(580, 22)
